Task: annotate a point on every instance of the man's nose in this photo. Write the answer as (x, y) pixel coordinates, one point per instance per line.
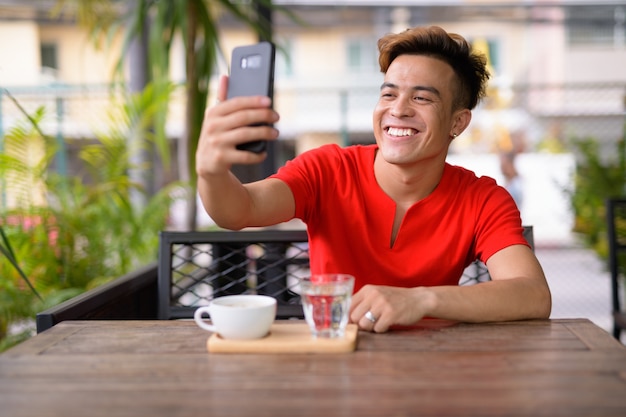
(402, 108)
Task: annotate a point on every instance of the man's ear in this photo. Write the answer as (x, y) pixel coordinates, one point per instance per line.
(461, 119)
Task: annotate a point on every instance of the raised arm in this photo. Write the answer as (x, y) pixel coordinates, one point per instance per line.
(230, 203)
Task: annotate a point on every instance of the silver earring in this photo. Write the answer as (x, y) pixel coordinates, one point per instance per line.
(454, 135)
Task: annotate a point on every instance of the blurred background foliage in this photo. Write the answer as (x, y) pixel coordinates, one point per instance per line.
(70, 233)
(597, 178)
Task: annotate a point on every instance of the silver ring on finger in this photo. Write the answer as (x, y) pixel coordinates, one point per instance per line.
(370, 316)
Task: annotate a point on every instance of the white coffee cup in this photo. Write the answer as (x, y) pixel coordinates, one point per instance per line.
(245, 316)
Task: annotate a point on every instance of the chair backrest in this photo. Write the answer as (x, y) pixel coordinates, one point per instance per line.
(477, 271)
(616, 233)
(195, 267)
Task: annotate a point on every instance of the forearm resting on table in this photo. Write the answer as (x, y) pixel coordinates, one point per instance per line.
(502, 300)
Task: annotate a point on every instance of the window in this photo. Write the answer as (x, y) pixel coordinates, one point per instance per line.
(494, 55)
(596, 25)
(491, 48)
(362, 56)
(284, 58)
(49, 56)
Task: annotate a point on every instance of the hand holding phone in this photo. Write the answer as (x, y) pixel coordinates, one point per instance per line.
(252, 74)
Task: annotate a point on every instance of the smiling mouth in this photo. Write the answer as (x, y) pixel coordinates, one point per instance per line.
(400, 132)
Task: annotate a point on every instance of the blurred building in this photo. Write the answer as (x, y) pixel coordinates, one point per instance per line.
(558, 70)
(550, 59)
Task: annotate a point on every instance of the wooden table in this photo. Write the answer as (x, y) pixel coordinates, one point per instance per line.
(162, 368)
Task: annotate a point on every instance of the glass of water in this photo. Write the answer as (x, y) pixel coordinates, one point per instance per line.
(326, 303)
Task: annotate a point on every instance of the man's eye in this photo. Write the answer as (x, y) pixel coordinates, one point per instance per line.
(422, 99)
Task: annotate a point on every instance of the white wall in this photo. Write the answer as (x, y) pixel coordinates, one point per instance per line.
(80, 61)
(544, 177)
(19, 53)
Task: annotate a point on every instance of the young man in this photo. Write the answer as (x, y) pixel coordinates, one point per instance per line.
(395, 214)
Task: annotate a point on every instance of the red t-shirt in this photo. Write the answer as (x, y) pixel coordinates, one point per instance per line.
(349, 220)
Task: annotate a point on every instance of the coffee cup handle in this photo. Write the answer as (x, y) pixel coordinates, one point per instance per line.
(197, 316)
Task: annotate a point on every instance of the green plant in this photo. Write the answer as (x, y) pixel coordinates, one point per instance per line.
(596, 178)
(156, 25)
(66, 234)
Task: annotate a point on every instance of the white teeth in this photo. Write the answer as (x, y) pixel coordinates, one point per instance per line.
(394, 131)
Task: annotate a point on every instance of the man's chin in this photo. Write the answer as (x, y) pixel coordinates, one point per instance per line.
(397, 155)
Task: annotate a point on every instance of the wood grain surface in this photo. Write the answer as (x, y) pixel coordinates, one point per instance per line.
(162, 368)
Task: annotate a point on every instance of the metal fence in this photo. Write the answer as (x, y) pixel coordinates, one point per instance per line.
(540, 111)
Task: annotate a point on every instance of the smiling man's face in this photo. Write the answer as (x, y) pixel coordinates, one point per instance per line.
(414, 120)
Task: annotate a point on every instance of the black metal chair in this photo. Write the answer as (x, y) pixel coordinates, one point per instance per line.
(195, 267)
(616, 232)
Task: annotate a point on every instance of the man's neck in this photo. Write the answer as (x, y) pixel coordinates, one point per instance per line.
(407, 185)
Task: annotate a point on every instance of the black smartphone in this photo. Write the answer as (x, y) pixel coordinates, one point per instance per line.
(252, 74)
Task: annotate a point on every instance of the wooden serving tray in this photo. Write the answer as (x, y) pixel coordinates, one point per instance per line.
(286, 338)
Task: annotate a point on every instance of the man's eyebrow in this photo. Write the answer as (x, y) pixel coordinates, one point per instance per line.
(415, 88)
